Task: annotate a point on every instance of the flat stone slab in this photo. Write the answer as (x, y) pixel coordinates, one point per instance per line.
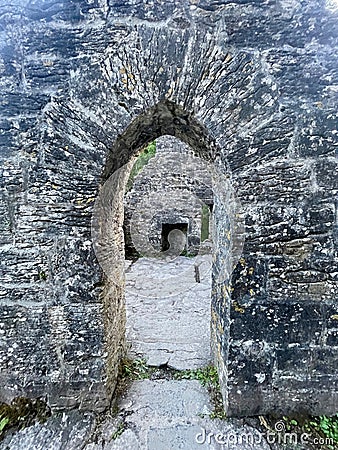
(165, 399)
(174, 415)
(168, 311)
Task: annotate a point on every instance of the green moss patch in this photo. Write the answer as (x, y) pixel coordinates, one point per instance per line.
(141, 161)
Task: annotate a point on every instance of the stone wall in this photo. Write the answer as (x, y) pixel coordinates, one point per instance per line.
(171, 189)
(251, 87)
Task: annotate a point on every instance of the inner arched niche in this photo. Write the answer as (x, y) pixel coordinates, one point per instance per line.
(165, 118)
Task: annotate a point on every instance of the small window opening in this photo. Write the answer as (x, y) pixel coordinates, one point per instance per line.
(166, 228)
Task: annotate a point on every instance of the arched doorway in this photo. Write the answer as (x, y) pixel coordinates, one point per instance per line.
(166, 118)
(168, 292)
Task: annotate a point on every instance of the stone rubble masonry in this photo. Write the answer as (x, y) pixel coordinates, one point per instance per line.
(250, 86)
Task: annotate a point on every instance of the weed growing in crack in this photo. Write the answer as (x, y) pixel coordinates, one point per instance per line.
(120, 429)
(328, 426)
(321, 431)
(208, 377)
(136, 369)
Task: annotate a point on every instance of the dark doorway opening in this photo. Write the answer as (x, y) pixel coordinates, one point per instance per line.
(166, 228)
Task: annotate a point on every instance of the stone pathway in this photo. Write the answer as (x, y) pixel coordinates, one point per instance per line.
(168, 320)
(168, 311)
(173, 415)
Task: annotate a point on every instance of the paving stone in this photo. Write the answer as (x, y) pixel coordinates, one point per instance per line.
(174, 415)
(169, 329)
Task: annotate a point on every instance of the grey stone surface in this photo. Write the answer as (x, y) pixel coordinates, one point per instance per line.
(168, 312)
(65, 431)
(173, 415)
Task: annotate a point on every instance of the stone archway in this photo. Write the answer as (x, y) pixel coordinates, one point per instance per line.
(163, 119)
